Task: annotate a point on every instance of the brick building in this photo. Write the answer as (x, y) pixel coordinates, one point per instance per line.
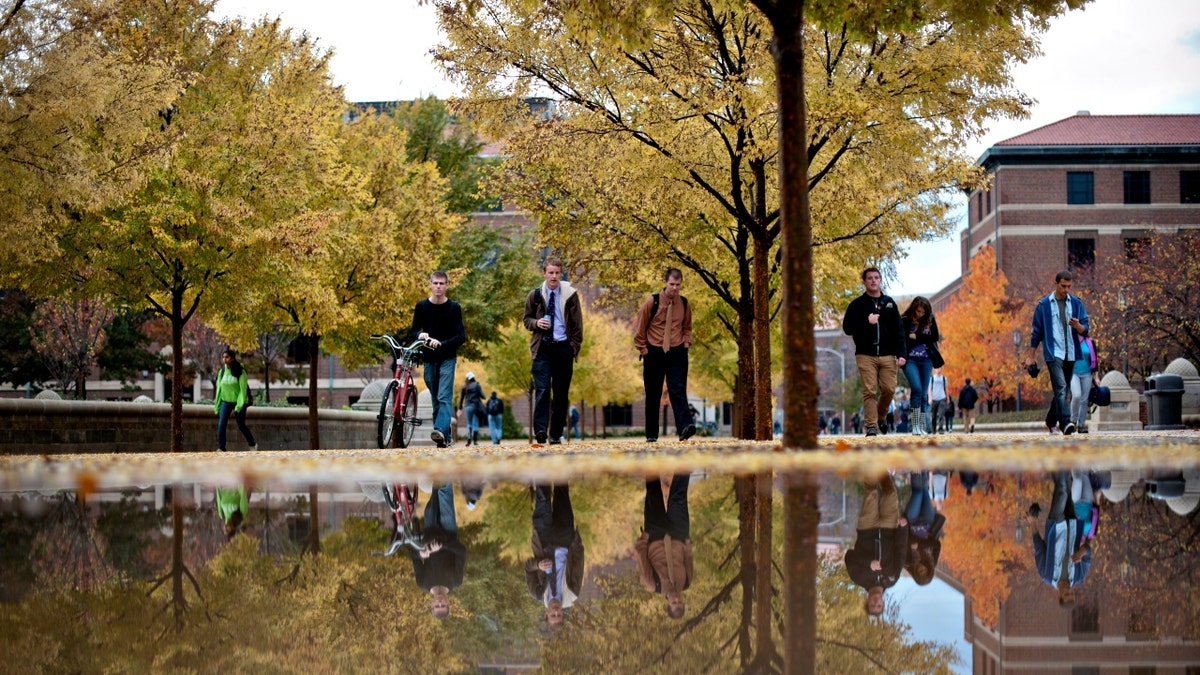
(1077, 193)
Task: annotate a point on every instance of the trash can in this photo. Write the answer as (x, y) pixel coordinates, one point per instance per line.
(1164, 402)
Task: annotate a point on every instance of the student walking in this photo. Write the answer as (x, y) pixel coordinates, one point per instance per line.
(232, 396)
(439, 320)
(1059, 323)
(662, 334)
(938, 395)
(967, 398)
(495, 417)
(922, 331)
(554, 317)
(873, 320)
(470, 403)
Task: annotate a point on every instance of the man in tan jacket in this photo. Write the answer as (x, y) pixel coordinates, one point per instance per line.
(664, 549)
(662, 334)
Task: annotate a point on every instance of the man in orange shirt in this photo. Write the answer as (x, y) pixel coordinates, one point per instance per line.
(662, 333)
(664, 549)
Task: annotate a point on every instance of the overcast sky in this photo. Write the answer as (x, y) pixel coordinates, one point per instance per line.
(1115, 57)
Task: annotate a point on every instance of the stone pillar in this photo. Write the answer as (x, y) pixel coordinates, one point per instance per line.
(1122, 414)
(160, 387)
(197, 384)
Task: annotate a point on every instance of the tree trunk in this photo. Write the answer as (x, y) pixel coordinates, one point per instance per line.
(799, 354)
(314, 429)
(764, 645)
(762, 306)
(314, 530)
(745, 387)
(176, 373)
(747, 572)
(266, 381)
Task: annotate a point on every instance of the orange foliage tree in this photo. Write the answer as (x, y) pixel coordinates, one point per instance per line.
(977, 327)
(980, 548)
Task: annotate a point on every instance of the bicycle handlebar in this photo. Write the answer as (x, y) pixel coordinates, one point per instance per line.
(397, 348)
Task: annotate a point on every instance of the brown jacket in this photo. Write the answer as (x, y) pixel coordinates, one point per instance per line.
(663, 562)
(572, 311)
(536, 580)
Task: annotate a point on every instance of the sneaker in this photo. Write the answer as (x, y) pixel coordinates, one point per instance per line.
(688, 432)
(254, 448)
(539, 437)
(652, 440)
(556, 441)
(438, 438)
(220, 449)
(1069, 429)
(872, 431)
(470, 504)
(1054, 430)
(1082, 429)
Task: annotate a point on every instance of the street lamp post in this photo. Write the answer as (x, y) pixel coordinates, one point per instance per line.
(1121, 304)
(842, 359)
(1017, 350)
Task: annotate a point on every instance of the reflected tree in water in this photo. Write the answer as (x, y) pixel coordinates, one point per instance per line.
(69, 553)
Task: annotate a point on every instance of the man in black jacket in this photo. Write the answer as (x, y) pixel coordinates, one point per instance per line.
(439, 320)
(882, 542)
(873, 320)
(438, 567)
(967, 398)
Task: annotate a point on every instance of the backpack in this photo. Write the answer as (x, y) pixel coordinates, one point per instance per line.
(494, 406)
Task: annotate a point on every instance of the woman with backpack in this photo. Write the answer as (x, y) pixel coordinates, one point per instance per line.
(232, 397)
(1082, 379)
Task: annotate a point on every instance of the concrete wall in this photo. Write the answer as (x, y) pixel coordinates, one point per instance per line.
(30, 426)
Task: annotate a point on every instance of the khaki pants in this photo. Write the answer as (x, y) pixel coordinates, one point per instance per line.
(878, 375)
(876, 511)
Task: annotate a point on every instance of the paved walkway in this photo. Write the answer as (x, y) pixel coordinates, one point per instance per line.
(519, 461)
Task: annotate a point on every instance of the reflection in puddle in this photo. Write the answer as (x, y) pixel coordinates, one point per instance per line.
(675, 573)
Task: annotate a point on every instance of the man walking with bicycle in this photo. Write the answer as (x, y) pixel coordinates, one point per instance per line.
(554, 316)
(439, 320)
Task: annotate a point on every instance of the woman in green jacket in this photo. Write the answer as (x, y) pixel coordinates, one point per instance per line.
(231, 397)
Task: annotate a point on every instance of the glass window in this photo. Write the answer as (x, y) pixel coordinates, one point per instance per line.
(618, 415)
(1137, 187)
(1189, 187)
(1079, 187)
(1081, 252)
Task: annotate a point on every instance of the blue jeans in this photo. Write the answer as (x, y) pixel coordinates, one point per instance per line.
(918, 370)
(439, 379)
(223, 418)
(1059, 414)
(495, 424)
(920, 504)
(472, 414)
(439, 510)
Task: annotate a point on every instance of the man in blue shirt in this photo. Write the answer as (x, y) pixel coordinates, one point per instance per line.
(1059, 323)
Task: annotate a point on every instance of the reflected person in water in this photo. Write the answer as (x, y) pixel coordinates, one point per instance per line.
(879, 550)
(924, 530)
(664, 549)
(1063, 555)
(554, 575)
(438, 566)
(233, 504)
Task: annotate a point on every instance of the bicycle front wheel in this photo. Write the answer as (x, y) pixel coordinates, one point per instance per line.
(387, 415)
(408, 416)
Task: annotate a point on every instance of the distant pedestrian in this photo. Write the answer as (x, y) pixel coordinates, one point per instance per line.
(439, 321)
(880, 349)
(232, 396)
(554, 316)
(923, 335)
(856, 423)
(470, 405)
(938, 396)
(949, 414)
(1059, 323)
(574, 416)
(835, 425)
(495, 415)
(967, 398)
(822, 424)
(662, 334)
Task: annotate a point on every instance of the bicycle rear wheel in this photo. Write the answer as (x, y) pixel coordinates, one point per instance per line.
(408, 417)
(387, 416)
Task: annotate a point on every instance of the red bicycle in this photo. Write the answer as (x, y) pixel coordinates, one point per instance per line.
(406, 530)
(399, 405)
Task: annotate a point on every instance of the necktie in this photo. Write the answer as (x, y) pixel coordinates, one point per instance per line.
(551, 309)
(667, 329)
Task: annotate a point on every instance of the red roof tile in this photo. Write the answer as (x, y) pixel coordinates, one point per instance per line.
(1085, 129)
